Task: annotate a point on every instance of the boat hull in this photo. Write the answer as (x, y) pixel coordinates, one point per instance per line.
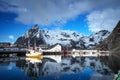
(39, 56)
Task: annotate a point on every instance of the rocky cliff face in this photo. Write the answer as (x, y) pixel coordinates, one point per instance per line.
(32, 37)
(112, 43)
(68, 39)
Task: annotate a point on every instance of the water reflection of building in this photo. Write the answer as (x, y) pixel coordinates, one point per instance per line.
(10, 71)
(32, 69)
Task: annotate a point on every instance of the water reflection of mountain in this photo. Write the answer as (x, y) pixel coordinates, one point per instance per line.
(36, 70)
(19, 67)
(9, 71)
(33, 70)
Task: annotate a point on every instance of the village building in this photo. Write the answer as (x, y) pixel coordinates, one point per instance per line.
(5, 44)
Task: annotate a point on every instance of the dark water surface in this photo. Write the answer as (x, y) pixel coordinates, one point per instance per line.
(22, 69)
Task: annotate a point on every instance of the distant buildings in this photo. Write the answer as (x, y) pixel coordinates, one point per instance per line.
(5, 44)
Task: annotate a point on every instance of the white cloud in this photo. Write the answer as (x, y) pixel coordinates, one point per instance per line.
(103, 14)
(50, 11)
(46, 12)
(103, 20)
(11, 37)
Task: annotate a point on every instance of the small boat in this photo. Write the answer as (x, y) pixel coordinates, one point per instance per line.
(34, 54)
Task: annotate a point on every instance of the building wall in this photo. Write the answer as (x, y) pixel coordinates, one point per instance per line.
(57, 48)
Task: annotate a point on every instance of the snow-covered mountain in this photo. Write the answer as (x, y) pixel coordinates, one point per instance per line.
(112, 43)
(95, 39)
(68, 39)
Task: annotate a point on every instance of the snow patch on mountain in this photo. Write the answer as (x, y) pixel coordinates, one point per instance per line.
(68, 39)
(61, 36)
(96, 38)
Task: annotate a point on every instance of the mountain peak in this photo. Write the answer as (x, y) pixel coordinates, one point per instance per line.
(103, 32)
(66, 38)
(117, 28)
(112, 43)
(35, 26)
(112, 40)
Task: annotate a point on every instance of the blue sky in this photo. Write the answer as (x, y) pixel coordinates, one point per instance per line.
(84, 16)
(9, 27)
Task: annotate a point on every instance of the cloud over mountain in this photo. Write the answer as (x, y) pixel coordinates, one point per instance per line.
(11, 37)
(103, 20)
(47, 12)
